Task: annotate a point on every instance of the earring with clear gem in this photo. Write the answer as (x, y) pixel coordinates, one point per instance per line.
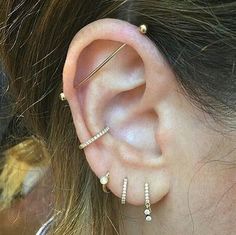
(147, 210)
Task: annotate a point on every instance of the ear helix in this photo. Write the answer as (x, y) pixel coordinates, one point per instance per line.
(105, 179)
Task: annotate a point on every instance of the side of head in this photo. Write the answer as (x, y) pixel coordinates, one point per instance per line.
(168, 98)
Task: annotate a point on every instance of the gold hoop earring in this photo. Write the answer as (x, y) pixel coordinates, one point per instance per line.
(104, 181)
(147, 210)
(124, 191)
(94, 138)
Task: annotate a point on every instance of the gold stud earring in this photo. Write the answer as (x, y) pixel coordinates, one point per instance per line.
(143, 28)
(104, 181)
(94, 138)
(62, 97)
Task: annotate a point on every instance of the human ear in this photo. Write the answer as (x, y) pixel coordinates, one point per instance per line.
(127, 95)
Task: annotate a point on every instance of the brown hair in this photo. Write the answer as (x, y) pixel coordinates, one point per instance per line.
(198, 38)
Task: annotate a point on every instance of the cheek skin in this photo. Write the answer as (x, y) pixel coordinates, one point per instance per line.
(191, 149)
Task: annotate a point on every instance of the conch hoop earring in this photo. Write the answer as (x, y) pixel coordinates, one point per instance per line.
(94, 138)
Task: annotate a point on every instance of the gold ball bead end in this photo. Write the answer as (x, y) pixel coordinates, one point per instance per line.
(143, 28)
(62, 97)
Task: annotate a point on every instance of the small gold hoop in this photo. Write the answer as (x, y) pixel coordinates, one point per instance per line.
(104, 181)
(94, 138)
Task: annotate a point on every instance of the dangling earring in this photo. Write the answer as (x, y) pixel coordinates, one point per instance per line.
(124, 191)
(147, 210)
(94, 138)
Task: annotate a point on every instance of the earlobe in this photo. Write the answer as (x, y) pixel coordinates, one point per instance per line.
(121, 95)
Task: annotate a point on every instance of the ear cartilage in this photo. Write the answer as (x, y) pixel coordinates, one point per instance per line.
(94, 138)
(142, 29)
(147, 210)
(104, 181)
(124, 191)
(62, 97)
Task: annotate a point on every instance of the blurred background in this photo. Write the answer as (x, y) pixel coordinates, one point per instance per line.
(25, 192)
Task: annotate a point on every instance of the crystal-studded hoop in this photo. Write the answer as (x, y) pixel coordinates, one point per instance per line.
(147, 210)
(124, 191)
(94, 138)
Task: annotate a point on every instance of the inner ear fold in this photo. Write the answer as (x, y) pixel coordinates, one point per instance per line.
(129, 124)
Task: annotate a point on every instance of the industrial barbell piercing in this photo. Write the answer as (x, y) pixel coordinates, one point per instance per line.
(94, 138)
(104, 181)
(142, 29)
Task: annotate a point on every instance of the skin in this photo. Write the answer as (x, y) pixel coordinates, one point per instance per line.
(157, 135)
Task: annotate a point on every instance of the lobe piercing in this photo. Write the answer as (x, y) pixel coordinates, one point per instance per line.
(104, 181)
(142, 29)
(147, 210)
(124, 191)
(94, 138)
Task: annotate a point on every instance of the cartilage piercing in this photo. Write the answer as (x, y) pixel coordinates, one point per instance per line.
(142, 29)
(94, 138)
(147, 210)
(104, 181)
(124, 191)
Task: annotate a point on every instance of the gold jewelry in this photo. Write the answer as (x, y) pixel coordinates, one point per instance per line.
(147, 210)
(142, 29)
(94, 138)
(124, 191)
(104, 181)
(62, 97)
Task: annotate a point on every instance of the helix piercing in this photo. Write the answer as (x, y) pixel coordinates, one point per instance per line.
(124, 191)
(104, 181)
(62, 97)
(94, 138)
(142, 29)
(147, 210)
